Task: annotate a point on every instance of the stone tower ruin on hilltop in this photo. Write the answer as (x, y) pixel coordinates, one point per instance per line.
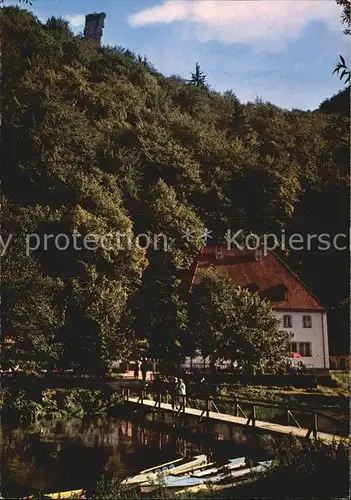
(94, 26)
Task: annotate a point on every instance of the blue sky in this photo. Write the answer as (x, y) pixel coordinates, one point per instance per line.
(283, 51)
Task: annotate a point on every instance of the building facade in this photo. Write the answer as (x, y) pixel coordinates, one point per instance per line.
(297, 309)
(309, 335)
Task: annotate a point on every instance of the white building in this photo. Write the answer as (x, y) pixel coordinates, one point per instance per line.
(296, 307)
(309, 335)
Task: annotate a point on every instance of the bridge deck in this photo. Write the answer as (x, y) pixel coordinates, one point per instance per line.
(223, 417)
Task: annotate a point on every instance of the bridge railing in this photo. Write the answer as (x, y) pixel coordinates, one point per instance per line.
(284, 414)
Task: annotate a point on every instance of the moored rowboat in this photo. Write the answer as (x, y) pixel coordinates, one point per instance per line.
(159, 468)
(187, 483)
(262, 466)
(192, 469)
(234, 463)
(155, 473)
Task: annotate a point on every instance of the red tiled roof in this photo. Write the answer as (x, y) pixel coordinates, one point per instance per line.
(269, 277)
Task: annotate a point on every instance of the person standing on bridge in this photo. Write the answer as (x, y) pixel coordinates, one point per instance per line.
(181, 393)
(136, 370)
(144, 368)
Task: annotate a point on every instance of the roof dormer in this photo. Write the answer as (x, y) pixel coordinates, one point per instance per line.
(281, 292)
(253, 287)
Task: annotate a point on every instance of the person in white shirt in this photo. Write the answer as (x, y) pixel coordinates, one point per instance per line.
(181, 393)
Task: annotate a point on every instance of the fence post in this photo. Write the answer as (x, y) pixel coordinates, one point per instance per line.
(236, 407)
(288, 414)
(253, 415)
(128, 394)
(208, 404)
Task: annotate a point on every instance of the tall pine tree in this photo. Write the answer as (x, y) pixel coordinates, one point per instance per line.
(198, 79)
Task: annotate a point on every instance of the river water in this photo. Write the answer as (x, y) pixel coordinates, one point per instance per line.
(70, 454)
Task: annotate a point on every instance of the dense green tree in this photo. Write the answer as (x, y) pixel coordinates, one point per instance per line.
(341, 68)
(31, 303)
(51, 147)
(28, 2)
(97, 141)
(338, 104)
(345, 15)
(160, 307)
(231, 323)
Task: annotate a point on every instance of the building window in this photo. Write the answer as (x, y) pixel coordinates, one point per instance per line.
(302, 348)
(307, 321)
(287, 321)
(305, 349)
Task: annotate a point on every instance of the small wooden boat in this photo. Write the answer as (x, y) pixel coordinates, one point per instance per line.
(192, 469)
(202, 487)
(63, 494)
(185, 481)
(205, 472)
(190, 483)
(202, 476)
(238, 473)
(182, 481)
(159, 468)
(234, 463)
(262, 466)
(198, 461)
(154, 473)
(145, 488)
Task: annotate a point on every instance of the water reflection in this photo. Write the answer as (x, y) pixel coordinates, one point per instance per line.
(70, 454)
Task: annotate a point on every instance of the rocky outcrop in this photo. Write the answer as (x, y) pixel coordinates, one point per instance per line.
(94, 26)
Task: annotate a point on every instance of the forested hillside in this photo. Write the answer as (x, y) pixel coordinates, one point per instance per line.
(96, 140)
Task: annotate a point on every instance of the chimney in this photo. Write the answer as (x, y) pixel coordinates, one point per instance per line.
(219, 253)
(258, 255)
(94, 27)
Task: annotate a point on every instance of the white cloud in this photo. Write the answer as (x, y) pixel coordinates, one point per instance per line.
(168, 12)
(267, 22)
(76, 20)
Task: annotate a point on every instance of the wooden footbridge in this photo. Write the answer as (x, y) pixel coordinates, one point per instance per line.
(207, 410)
